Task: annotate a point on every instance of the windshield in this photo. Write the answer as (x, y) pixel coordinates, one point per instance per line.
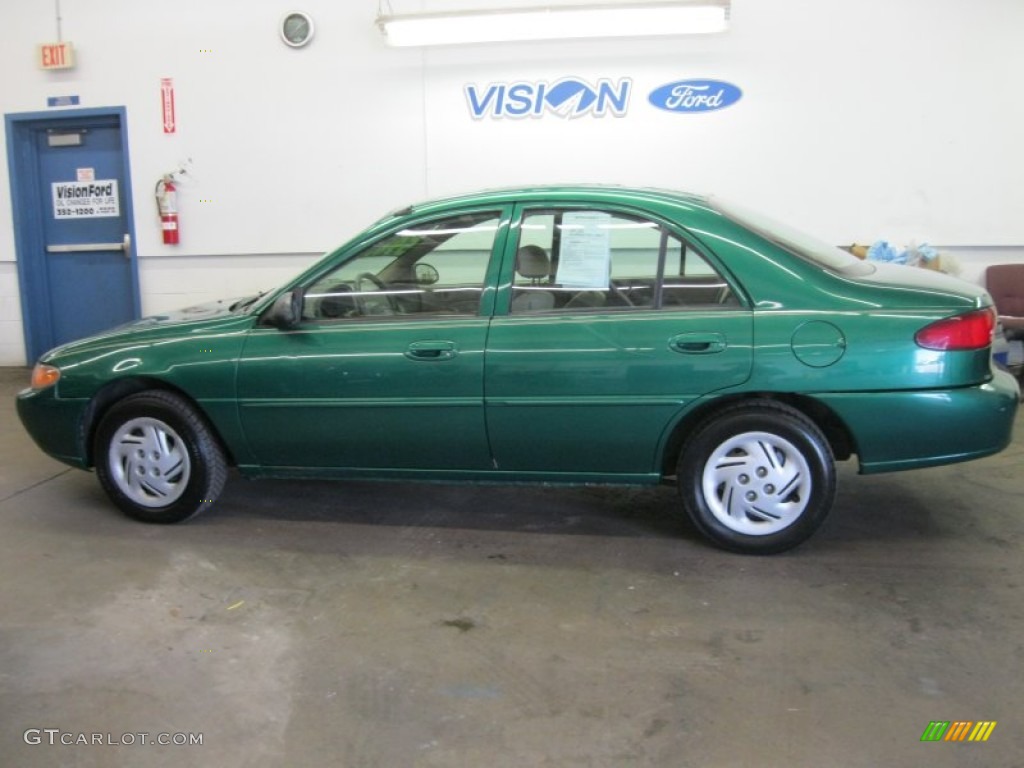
(798, 243)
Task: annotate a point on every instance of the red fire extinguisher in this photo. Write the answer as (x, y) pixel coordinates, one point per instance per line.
(167, 204)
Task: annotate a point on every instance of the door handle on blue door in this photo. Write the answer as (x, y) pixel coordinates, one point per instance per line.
(431, 350)
(697, 343)
(125, 245)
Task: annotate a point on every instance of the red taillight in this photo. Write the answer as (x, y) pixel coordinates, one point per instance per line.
(962, 332)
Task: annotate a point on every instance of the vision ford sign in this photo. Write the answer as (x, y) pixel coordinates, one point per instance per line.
(569, 97)
(695, 96)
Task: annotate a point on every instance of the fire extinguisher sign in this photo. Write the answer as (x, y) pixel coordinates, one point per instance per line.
(85, 199)
(167, 100)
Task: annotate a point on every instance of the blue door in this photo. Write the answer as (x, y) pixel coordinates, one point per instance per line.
(73, 225)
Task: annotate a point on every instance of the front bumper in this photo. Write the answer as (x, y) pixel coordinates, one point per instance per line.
(56, 425)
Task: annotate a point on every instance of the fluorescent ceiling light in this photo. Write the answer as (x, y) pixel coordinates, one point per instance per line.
(552, 22)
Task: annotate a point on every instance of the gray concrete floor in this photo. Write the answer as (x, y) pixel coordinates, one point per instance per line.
(375, 625)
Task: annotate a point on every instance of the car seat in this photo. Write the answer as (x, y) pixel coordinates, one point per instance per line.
(532, 263)
(1005, 283)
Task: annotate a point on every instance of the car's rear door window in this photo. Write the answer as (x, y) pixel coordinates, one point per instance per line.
(570, 260)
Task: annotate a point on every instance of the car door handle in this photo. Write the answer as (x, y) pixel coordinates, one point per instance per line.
(431, 350)
(697, 343)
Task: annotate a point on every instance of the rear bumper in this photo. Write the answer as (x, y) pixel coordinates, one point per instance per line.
(893, 431)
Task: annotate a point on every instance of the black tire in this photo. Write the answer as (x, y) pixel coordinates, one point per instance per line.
(157, 459)
(757, 478)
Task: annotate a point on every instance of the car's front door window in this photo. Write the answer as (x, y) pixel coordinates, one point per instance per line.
(432, 268)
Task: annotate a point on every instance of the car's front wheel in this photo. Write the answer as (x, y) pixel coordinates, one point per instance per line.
(757, 478)
(157, 459)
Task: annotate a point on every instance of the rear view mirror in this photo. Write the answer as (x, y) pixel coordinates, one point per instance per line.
(426, 274)
(286, 311)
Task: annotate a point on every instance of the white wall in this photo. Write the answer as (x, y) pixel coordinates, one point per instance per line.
(861, 119)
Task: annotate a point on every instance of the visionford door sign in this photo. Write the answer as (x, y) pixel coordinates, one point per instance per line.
(569, 97)
(695, 96)
(85, 199)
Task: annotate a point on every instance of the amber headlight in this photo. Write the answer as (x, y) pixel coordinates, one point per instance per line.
(44, 376)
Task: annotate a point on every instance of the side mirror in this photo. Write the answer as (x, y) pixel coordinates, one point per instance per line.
(286, 311)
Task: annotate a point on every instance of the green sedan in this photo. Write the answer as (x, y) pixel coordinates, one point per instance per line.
(553, 335)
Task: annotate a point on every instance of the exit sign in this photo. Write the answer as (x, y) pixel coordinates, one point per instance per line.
(56, 56)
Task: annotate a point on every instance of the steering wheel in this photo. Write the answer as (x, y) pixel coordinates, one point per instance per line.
(363, 300)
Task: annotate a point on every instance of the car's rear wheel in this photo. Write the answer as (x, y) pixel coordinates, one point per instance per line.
(757, 478)
(157, 459)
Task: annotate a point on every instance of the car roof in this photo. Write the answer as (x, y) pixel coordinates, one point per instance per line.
(555, 193)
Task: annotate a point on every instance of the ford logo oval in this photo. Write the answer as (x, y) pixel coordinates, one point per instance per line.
(695, 96)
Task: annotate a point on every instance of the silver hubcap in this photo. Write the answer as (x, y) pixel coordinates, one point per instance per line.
(149, 463)
(757, 483)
